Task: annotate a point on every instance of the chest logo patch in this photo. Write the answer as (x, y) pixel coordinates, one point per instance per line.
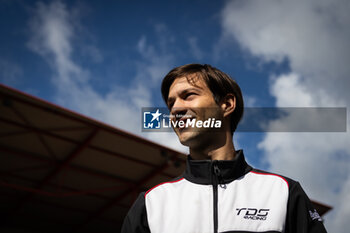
(253, 213)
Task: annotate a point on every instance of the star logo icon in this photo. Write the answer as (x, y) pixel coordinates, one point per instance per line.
(155, 116)
(152, 118)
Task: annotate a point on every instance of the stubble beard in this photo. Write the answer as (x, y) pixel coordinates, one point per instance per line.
(195, 138)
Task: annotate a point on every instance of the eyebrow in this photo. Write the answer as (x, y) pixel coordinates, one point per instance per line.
(170, 99)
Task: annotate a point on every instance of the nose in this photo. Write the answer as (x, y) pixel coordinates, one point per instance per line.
(178, 109)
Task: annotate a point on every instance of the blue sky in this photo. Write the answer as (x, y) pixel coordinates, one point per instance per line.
(106, 60)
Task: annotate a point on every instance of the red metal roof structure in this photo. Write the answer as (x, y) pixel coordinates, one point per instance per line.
(63, 172)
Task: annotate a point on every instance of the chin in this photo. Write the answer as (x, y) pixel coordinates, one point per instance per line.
(187, 138)
(196, 139)
(184, 136)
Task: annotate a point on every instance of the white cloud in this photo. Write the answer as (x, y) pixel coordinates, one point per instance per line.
(195, 50)
(93, 53)
(155, 64)
(53, 33)
(290, 92)
(249, 101)
(319, 160)
(313, 36)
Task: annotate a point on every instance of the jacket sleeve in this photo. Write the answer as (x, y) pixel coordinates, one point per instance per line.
(302, 217)
(136, 219)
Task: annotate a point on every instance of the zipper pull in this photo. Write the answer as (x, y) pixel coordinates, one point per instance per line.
(217, 170)
(217, 173)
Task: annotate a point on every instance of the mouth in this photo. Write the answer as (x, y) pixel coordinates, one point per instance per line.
(181, 127)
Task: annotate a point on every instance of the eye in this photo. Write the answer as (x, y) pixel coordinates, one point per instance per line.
(189, 94)
(170, 105)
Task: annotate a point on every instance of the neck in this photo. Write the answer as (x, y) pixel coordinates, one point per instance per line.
(226, 151)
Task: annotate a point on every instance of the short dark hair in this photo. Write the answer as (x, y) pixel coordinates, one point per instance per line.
(219, 83)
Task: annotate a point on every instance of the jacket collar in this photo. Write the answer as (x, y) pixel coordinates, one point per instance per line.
(202, 171)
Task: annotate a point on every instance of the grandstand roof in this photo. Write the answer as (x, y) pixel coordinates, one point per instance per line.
(61, 171)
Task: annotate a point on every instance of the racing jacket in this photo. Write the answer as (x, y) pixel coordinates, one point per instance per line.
(224, 196)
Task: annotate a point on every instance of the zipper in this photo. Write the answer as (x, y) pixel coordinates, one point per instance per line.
(215, 182)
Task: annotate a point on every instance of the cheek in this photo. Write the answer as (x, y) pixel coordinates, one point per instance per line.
(205, 102)
(214, 112)
(205, 107)
(211, 111)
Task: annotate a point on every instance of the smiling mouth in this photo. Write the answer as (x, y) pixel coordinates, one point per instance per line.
(183, 127)
(184, 120)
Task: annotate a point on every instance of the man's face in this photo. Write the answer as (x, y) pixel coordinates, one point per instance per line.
(187, 101)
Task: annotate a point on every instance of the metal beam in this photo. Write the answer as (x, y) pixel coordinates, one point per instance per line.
(53, 194)
(99, 149)
(38, 134)
(71, 166)
(68, 114)
(69, 208)
(25, 168)
(69, 190)
(56, 171)
(69, 158)
(120, 197)
(14, 133)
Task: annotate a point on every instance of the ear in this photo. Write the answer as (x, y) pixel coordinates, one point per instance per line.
(228, 104)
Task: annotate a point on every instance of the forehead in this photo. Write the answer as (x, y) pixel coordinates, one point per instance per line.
(185, 82)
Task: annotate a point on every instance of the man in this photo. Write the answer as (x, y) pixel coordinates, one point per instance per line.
(219, 191)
